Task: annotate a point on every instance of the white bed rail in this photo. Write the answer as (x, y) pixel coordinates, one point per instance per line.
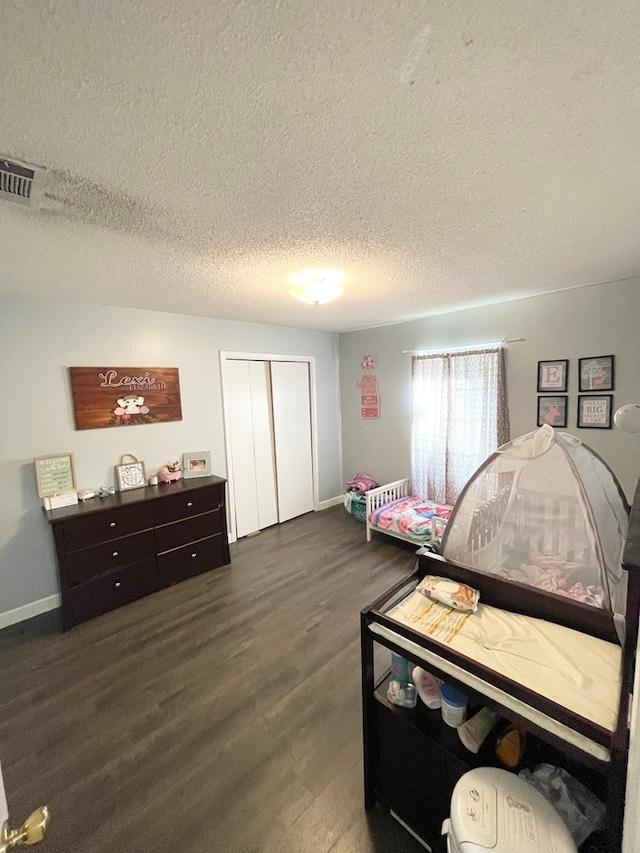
(383, 495)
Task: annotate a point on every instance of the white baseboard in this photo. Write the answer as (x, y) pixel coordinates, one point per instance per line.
(27, 611)
(339, 499)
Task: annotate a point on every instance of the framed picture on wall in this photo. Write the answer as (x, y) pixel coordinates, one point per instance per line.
(552, 411)
(552, 376)
(594, 411)
(596, 373)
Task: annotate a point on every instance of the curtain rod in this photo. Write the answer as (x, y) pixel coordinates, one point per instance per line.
(461, 349)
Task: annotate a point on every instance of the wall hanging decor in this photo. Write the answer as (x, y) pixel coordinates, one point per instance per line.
(552, 411)
(596, 373)
(369, 391)
(552, 376)
(124, 396)
(594, 411)
(368, 363)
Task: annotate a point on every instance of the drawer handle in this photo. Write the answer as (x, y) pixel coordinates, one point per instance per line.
(115, 554)
(118, 584)
(194, 555)
(189, 503)
(113, 524)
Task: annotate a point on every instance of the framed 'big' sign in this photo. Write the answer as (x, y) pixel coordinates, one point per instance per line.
(124, 396)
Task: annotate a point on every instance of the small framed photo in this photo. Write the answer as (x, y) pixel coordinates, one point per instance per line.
(552, 411)
(596, 373)
(553, 375)
(196, 464)
(594, 411)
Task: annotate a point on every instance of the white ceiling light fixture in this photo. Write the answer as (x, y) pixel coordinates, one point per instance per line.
(317, 286)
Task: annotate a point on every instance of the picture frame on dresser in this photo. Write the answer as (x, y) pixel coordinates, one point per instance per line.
(196, 464)
(130, 473)
(55, 474)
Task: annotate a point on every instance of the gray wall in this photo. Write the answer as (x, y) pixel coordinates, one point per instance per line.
(596, 320)
(39, 340)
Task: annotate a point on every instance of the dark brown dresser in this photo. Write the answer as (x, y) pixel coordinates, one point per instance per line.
(113, 550)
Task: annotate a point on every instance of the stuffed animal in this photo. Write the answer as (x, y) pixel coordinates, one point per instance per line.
(170, 473)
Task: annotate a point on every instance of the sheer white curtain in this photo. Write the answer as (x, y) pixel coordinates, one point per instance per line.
(460, 416)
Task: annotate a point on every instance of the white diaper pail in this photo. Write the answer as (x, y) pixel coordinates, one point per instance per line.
(495, 810)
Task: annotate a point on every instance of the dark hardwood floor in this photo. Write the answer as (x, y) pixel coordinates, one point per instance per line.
(221, 715)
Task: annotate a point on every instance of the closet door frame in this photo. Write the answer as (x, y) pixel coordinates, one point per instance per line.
(227, 356)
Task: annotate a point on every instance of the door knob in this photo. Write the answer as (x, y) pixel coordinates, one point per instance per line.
(31, 832)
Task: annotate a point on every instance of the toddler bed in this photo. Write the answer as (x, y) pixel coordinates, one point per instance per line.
(391, 510)
(559, 660)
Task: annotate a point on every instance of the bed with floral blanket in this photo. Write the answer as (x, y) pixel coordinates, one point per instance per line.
(393, 511)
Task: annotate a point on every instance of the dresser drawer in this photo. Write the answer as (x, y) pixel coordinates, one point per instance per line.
(112, 589)
(88, 562)
(191, 560)
(180, 532)
(187, 503)
(103, 526)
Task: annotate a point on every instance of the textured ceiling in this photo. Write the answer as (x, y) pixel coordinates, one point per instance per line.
(440, 154)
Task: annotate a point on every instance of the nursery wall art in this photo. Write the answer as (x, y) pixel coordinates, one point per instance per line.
(124, 396)
(369, 391)
(596, 373)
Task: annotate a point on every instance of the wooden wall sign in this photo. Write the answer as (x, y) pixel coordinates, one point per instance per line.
(369, 397)
(124, 396)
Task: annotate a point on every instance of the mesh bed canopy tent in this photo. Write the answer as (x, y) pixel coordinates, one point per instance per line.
(547, 511)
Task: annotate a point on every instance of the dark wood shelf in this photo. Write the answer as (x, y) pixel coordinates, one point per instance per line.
(413, 759)
(418, 758)
(429, 723)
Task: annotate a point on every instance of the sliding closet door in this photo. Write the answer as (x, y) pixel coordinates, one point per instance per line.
(292, 430)
(250, 439)
(265, 468)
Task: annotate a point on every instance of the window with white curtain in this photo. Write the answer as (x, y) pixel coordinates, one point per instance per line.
(460, 416)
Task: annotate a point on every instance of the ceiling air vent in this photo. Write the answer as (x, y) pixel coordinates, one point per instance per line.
(20, 183)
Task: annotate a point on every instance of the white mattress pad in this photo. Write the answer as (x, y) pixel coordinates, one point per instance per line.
(575, 670)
